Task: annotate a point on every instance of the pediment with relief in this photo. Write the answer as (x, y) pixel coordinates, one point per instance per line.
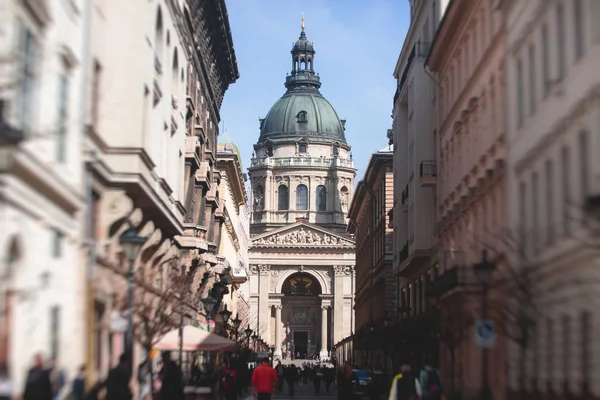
(302, 234)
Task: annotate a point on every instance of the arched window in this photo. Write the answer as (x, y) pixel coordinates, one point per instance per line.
(158, 40)
(321, 198)
(283, 198)
(301, 197)
(174, 73)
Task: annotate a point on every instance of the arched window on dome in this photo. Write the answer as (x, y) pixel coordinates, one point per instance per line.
(283, 198)
(301, 198)
(301, 116)
(321, 198)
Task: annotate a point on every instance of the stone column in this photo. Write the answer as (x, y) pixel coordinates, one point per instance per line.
(277, 352)
(323, 354)
(264, 311)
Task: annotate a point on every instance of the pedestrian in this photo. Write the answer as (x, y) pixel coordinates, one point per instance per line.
(318, 375)
(329, 377)
(291, 377)
(405, 386)
(280, 371)
(171, 387)
(143, 378)
(58, 378)
(37, 384)
(78, 386)
(7, 390)
(117, 383)
(227, 383)
(264, 378)
(345, 377)
(430, 381)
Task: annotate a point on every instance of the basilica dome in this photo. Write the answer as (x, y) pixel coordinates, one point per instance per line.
(302, 111)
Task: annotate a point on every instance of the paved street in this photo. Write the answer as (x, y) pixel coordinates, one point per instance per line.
(306, 392)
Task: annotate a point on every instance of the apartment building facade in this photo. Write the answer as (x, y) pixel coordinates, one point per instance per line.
(552, 130)
(415, 176)
(41, 179)
(369, 215)
(235, 229)
(159, 73)
(467, 60)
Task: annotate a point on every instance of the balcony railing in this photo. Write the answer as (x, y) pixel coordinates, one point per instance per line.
(427, 173)
(420, 50)
(301, 162)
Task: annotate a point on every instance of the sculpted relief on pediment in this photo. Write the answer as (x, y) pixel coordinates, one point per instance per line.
(303, 237)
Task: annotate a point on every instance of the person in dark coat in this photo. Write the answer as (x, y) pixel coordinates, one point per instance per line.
(117, 383)
(172, 379)
(38, 385)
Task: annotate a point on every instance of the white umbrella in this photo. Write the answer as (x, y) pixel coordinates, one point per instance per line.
(194, 339)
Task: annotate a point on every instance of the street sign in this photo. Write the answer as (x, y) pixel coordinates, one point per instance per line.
(485, 333)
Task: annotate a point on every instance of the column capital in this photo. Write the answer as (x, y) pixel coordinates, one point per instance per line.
(277, 306)
(325, 307)
(263, 269)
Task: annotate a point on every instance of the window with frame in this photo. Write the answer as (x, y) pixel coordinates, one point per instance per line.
(336, 150)
(566, 187)
(27, 81)
(545, 60)
(57, 244)
(579, 29)
(550, 201)
(301, 198)
(562, 40)
(302, 148)
(270, 151)
(532, 78)
(520, 94)
(321, 198)
(54, 332)
(283, 198)
(63, 115)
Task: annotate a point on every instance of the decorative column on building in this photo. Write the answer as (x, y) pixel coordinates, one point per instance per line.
(324, 354)
(278, 352)
(264, 312)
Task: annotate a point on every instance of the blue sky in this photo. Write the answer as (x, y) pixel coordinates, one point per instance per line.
(357, 44)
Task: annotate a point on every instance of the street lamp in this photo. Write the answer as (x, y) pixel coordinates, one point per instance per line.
(483, 271)
(236, 323)
(209, 303)
(132, 243)
(226, 314)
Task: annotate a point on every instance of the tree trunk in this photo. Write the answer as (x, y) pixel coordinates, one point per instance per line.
(151, 367)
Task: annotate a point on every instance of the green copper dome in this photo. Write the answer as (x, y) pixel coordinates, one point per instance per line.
(302, 111)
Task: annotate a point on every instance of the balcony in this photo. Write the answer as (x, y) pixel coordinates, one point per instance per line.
(427, 173)
(419, 50)
(300, 162)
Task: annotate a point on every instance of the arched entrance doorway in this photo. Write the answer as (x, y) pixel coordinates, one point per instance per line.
(302, 317)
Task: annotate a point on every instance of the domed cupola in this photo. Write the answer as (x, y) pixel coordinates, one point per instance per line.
(302, 111)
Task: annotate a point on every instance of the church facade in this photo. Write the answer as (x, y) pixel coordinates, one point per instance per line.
(301, 257)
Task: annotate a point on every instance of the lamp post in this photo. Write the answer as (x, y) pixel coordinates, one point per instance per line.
(132, 243)
(226, 314)
(484, 271)
(255, 339)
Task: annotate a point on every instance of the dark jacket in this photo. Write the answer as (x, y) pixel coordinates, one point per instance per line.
(405, 387)
(172, 382)
(117, 384)
(38, 385)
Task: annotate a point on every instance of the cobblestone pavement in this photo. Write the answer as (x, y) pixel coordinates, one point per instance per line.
(306, 392)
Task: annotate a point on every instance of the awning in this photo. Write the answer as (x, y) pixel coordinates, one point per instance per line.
(195, 339)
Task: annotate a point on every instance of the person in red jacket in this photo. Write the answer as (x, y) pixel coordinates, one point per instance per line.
(264, 379)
